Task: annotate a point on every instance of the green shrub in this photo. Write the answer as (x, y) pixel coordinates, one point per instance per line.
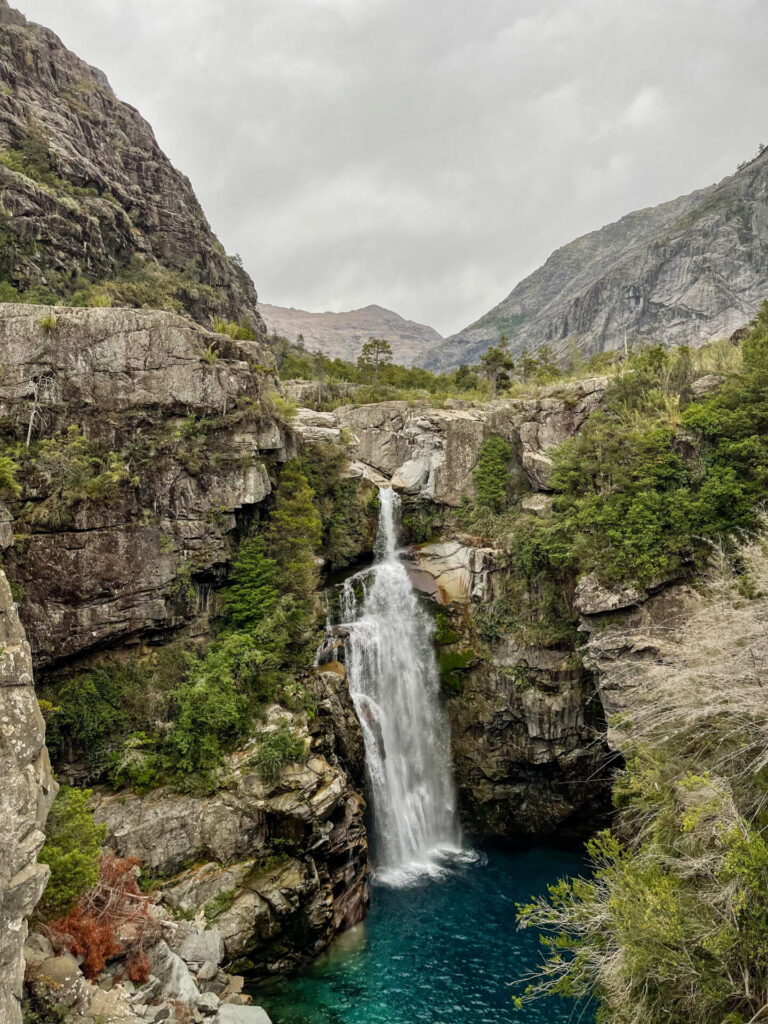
(252, 588)
(72, 850)
(276, 750)
(9, 485)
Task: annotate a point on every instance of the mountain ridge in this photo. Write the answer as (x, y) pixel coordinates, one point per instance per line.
(341, 334)
(681, 272)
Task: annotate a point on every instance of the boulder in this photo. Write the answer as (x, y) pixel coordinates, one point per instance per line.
(593, 598)
(198, 945)
(176, 982)
(242, 1015)
(707, 385)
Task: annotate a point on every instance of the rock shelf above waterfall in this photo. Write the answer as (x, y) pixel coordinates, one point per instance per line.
(430, 453)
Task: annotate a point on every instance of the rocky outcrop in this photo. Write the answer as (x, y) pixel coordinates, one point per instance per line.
(528, 745)
(92, 191)
(452, 572)
(192, 431)
(430, 453)
(27, 790)
(342, 335)
(681, 273)
(625, 646)
(280, 867)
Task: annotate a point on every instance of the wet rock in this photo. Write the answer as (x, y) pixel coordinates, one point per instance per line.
(526, 738)
(455, 572)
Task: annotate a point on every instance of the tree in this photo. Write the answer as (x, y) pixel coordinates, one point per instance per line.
(295, 532)
(464, 379)
(72, 849)
(252, 591)
(527, 364)
(491, 475)
(546, 365)
(496, 361)
(374, 354)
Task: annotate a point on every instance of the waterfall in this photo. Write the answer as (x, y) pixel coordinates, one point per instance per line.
(395, 687)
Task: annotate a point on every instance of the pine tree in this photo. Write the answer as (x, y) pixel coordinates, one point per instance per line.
(295, 532)
(253, 591)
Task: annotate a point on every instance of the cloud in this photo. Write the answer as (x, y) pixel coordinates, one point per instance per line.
(427, 155)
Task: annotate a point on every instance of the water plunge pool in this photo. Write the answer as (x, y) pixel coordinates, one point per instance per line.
(441, 951)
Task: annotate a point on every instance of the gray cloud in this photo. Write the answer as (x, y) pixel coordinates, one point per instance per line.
(420, 154)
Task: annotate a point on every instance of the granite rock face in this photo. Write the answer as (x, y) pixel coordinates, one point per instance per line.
(684, 272)
(27, 790)
(280, 867)
(111, 195)
(198, 435)
(430, 453)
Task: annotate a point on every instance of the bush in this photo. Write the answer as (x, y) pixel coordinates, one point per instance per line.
(276, 750)
(71, 850)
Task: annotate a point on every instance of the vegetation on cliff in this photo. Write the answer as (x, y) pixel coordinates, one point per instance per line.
(673, 924)
(170, 718)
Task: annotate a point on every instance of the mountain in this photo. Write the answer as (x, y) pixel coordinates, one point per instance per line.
(683, 272)
(340, 335)
(91, 210)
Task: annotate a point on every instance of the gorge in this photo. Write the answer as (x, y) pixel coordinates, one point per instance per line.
(317, 676)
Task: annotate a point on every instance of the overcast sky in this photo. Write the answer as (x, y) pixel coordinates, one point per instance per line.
(427, 154)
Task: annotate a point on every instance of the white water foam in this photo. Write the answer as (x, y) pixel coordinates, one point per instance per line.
(395, 687)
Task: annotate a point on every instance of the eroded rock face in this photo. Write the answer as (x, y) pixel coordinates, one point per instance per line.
(452, 572)
(430, 453)
(144, 559)
(529, 757)
(623, 644)
(119, 197)
(27, 790)
(282, 867)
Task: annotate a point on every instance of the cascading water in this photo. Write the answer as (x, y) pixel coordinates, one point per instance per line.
(394, 684)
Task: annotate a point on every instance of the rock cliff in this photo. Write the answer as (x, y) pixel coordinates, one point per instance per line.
(196, 433)
(26, 792)
(280, 867)
(86, 191)
(680, 273)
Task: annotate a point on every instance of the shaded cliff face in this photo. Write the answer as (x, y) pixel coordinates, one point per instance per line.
(179, 442)
(86, 189)
(341, 335)
(27, 790)
(684, 272)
